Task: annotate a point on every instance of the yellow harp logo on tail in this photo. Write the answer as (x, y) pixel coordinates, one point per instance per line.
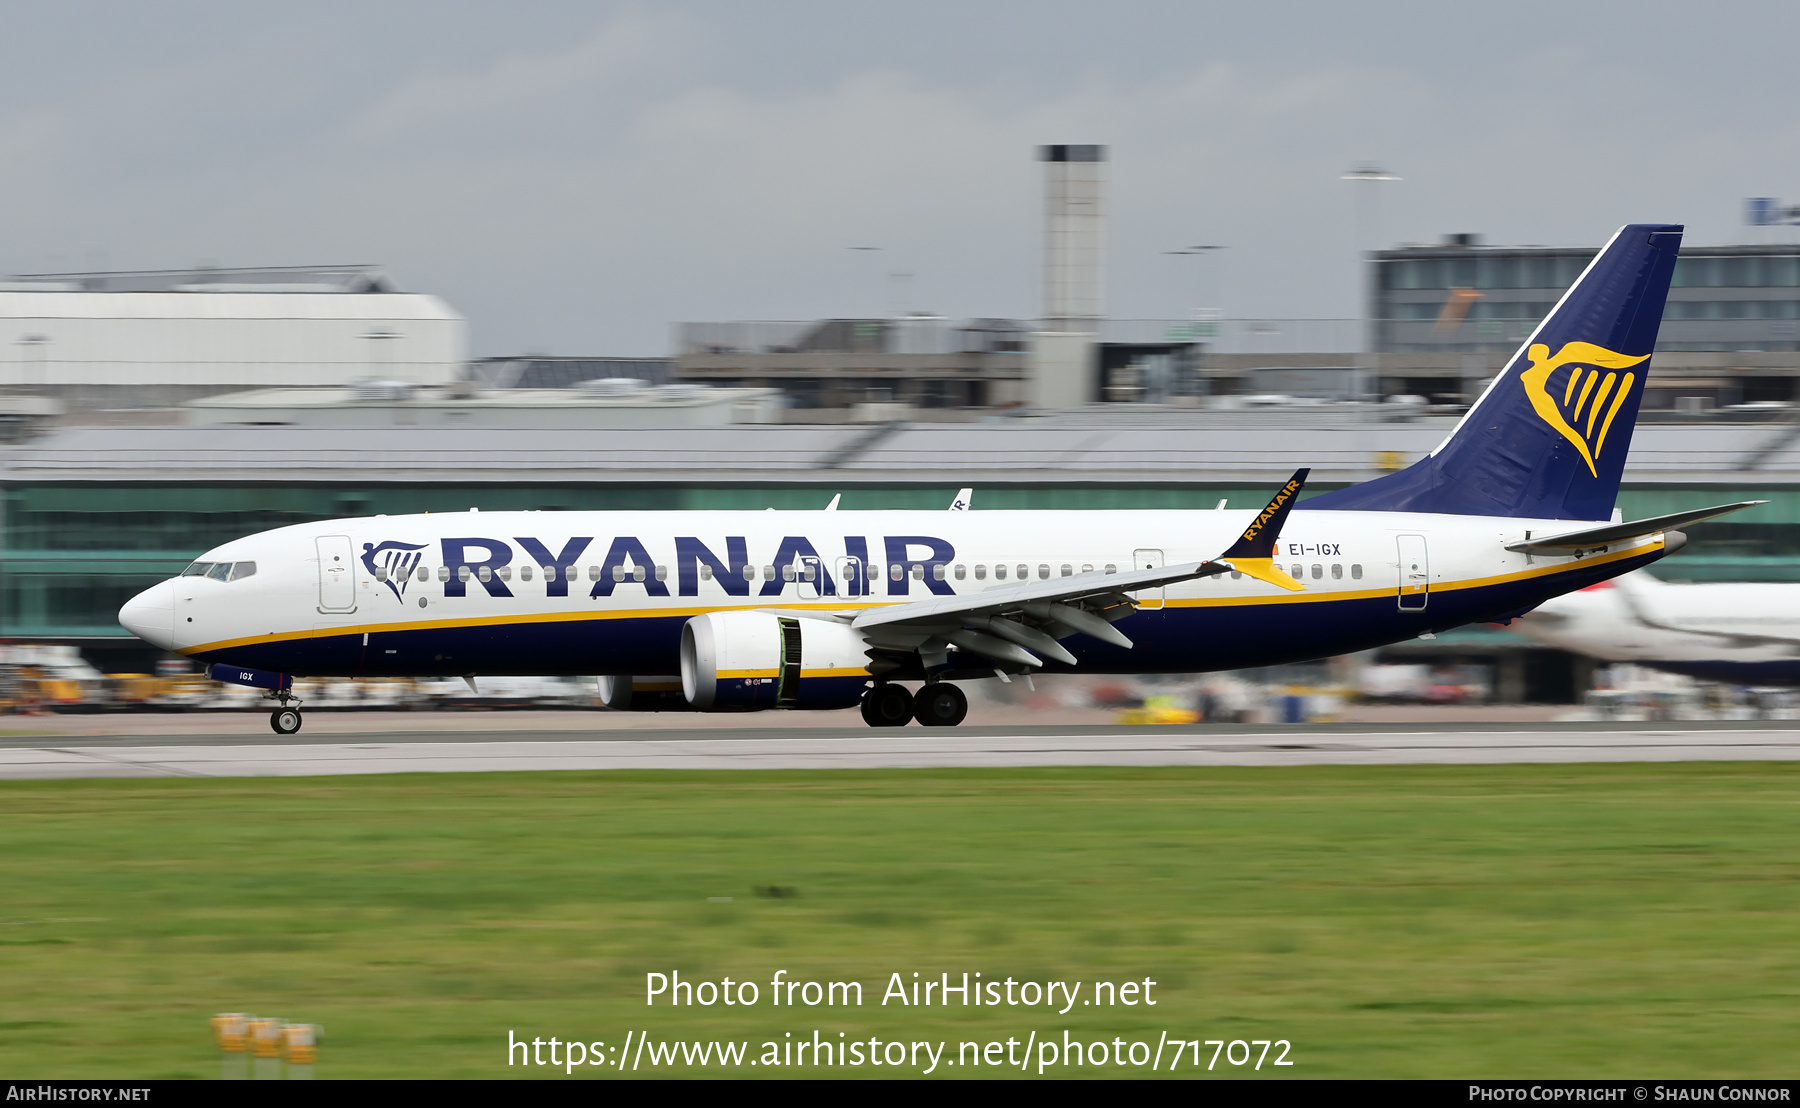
(1584, 415)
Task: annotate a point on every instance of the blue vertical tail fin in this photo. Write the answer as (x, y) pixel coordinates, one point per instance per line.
(1548, 438)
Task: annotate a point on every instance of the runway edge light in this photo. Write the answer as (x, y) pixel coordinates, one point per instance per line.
(231, 1030)
(300, 1046)
(265, 1044)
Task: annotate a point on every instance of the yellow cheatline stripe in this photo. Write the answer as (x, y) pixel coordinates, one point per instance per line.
(503, 621)
(1316, 597)
(739, 674)
(1308, 597)
(841, 671)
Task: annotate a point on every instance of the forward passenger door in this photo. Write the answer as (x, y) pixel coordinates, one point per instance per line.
(337, 574)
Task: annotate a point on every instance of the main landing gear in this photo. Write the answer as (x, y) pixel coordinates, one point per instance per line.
(935, 705)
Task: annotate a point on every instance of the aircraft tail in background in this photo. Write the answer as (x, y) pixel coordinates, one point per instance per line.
(1548, 438)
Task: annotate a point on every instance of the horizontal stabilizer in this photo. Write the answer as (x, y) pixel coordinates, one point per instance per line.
(1592, 537)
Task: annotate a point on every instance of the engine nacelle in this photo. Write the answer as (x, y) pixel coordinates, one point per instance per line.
(630, 693)
(744, 661)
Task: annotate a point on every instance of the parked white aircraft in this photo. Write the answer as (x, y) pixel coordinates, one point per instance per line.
(832, 609)
(1742, 634)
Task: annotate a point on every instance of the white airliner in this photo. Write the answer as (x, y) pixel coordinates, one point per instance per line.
(720, 611)
(1741, 634)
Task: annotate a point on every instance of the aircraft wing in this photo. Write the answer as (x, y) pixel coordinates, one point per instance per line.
(1592, 538)
(1007, 624)
(1057, 590)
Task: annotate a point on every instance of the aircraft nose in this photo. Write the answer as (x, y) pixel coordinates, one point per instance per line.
(150, 615)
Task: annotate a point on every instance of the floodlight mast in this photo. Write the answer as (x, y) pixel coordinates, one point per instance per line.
(1368, 235)
(1196, 251)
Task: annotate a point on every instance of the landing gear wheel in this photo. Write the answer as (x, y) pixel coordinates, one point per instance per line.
(887, 706)
(940, 705)
(285, 721)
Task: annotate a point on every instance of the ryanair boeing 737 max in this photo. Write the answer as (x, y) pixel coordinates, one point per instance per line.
(723, 611)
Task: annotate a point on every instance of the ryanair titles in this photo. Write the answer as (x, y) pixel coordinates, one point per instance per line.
(479, 562)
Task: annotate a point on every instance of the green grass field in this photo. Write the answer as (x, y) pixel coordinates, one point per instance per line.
(1403, 921)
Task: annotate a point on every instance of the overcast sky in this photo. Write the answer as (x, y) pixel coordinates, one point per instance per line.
(574, 177)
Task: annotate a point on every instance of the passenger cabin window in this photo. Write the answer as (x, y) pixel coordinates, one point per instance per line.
(999, 573)
(1043, 572)
(768, 573)
(1111, 568)
(198, 569)
(462, 573)
(381, 573)
(706, 573)
(1024, 572)
(918, 573)
(937, 572)
(424, 573)
(662, 573)
(787, 573)
(961, 572)
(1068, 571)
(443, 573)
(981, 573)
(749, 573)
(525, 574)
(1087, 569)
(486, 574)
(1356, 573)
(1318, 572)
(895, 572)
(1299, 572)
(506, 573)
(593, 573)
(1337, 572)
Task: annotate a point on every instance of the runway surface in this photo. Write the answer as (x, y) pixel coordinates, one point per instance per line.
(27, 756)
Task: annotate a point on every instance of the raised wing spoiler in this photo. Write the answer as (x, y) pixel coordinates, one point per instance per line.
(1082, 586)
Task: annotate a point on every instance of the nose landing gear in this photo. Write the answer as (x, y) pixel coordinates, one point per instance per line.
(285, 720)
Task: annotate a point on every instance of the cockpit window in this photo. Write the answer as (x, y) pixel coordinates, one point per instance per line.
(220, 571)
